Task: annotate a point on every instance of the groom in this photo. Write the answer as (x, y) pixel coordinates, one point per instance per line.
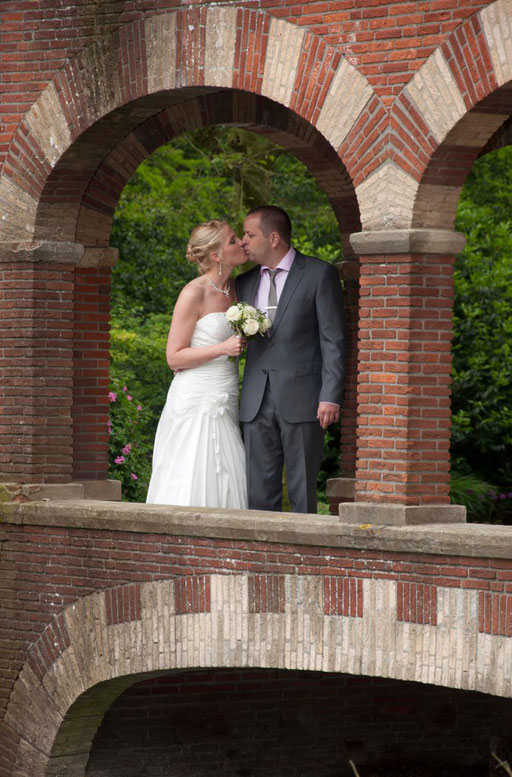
(293, 381)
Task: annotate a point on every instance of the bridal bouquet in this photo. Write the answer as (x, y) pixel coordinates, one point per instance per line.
(246, 321)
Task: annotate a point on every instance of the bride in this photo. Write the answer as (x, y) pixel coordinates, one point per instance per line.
(198, 458)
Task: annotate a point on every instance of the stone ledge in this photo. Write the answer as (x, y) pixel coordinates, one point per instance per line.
(59, 253)
(40, 492)
(470, 540)
(95, 256)
(103, 490)
(407, 241)
(341, 488)
(400, 515)
(42, 251)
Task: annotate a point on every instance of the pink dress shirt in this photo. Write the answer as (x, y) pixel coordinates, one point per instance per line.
(261, 298)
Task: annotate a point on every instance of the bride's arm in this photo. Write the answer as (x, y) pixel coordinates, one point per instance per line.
(180, 356)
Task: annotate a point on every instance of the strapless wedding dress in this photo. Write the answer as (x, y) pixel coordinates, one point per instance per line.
(198, 458)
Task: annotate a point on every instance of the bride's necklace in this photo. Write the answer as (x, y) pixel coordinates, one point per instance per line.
(225, 291)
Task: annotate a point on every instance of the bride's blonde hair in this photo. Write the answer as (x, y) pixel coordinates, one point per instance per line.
(205, 239)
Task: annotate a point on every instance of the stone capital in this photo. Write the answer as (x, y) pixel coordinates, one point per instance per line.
(46, 251)
(407, 241)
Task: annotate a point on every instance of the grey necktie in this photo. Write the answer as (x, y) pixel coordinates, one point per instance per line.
(272, 295)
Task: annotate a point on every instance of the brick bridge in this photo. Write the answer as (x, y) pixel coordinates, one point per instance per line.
(99, 597)
(388, 104)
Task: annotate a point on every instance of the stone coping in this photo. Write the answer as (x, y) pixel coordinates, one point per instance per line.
(407, 241)
(472, 540)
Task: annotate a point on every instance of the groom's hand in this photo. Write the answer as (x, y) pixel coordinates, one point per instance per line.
(327, 414)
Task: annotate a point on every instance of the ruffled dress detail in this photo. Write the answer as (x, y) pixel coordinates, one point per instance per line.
(198, 457)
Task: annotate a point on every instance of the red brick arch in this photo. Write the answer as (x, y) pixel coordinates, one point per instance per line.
(111, 106)
(107, 641)
(453, 109)
(399, 161)
(253, 112)
(145, 67)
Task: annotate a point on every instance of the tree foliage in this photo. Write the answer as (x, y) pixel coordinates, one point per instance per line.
(482, 345)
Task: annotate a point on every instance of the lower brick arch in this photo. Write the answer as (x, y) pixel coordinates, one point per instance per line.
(292, 723)
(105, 642)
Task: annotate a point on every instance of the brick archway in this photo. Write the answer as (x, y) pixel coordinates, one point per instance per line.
(105, 642)
(152, 78)
(121, 80)
(103, 113)
(449, 112)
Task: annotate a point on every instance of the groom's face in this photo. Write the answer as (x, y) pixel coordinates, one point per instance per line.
(255, 243)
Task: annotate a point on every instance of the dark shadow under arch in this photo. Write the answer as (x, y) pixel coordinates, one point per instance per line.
(257, 722)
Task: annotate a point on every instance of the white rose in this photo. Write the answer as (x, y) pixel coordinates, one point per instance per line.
(233, 313)
(265, 324)
(249, 311)
(250, 327)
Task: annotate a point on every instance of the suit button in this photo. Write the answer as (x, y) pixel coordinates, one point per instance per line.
(265, 372)
(270, 345)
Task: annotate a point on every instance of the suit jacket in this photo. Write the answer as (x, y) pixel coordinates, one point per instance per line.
(303, 355)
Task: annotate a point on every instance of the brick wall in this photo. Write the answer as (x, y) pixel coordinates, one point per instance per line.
(53, 567)
(91, 373)
(36, 369)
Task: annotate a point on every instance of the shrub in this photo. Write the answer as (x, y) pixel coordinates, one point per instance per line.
(129, 446)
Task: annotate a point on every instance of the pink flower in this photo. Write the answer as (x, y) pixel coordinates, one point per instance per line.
(139, 407)
(119, 460)
(125, 388)
(126, 450)
(128, 397)
(133, 475)
(112, 396)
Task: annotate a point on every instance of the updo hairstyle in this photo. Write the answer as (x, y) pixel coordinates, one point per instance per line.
(205, 239)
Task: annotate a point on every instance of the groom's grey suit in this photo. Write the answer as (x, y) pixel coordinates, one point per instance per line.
(298, 364)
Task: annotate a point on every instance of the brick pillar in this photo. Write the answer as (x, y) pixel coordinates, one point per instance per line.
(341, 489)
(91, 362)
(53, 395)
(36, 364)
(404, 376)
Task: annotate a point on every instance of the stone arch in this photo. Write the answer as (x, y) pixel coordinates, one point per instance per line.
(103, 643)
(440, 122)
(145, 67)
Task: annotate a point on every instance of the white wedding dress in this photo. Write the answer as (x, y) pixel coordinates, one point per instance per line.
(198, 458)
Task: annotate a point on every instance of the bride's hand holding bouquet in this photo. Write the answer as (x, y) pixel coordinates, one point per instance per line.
(246, 321)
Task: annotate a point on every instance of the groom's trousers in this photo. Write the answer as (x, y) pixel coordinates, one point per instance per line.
(270, 442)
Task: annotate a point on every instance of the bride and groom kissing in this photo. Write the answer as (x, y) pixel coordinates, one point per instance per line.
(293, 379)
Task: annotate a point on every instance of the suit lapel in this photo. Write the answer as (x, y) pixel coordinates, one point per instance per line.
(249, 285)
(295, 276)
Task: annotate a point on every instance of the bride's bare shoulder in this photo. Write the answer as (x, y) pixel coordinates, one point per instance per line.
(191, 295)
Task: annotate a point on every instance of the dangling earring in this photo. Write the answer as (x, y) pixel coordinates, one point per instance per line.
(220, 268)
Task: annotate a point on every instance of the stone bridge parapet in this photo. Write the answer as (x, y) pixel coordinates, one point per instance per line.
(99, 596)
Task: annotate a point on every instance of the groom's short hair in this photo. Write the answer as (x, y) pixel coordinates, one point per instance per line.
(274, 219)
